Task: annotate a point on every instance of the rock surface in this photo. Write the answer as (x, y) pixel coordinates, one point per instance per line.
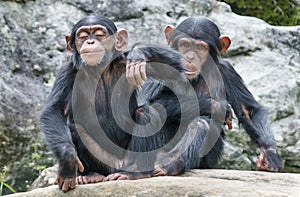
(32, 49)
(195, 183)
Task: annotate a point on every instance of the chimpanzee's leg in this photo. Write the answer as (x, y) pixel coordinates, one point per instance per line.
(200, 147)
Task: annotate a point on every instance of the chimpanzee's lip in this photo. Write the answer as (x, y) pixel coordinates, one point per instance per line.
(84, 51)
(189, 68)
(91, 51)
(190, 72)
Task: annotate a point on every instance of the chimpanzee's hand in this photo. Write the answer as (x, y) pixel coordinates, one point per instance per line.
(269, 160)
(67, 172)
(228, 117)
(136, 72)
(136, 67)
(221, 109)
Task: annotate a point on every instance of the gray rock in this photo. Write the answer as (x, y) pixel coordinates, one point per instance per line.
(46, 178)
(194, 183)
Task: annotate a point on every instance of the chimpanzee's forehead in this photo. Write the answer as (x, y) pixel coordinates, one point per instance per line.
(91, 28)
(192, 40)
(197, 35)
(96, 20)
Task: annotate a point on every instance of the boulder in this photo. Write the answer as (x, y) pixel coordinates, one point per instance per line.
(195, 183)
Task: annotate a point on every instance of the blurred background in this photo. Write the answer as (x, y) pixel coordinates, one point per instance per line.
(284, 12)
(265, 51)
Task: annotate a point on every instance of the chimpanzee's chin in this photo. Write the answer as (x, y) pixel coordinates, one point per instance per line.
(194, 79)
(91, 59)
(90, 65)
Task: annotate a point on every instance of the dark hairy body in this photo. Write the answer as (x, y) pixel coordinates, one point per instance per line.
(199, 42)
(92, 111)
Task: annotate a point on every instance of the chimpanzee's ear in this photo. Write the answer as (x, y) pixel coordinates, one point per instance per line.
(121, 42)
(68, 38)
(225, 43)
(169, 29)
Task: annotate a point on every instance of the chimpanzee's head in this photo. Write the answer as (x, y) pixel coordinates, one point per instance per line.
(196, 38)
(95, 40)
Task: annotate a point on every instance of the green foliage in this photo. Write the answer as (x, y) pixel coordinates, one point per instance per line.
(36, 157)
(36, 163)
(2, 181)
(26, 169)
(275, 12)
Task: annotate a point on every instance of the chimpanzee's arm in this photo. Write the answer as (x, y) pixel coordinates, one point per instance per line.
(251, 115)
(179, 106)
(166, 63)
(53, 122)
(255, 121)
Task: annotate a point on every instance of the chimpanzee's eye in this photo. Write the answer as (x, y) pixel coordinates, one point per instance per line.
(199, 48)
(184, 44)
(82, 36)
(99, 34)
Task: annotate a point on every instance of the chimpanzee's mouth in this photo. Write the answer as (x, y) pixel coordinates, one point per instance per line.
(190, 72)
(90, 51)
(189, 68)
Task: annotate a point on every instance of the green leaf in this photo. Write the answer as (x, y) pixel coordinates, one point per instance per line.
(275, 12)
(1, 188)
(9, 187)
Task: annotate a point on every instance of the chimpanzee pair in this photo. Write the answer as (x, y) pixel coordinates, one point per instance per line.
(104, 119)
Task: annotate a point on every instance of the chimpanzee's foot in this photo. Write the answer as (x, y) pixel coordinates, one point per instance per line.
(174, 168)
(126, 176)
(90, 178)
(159, 171)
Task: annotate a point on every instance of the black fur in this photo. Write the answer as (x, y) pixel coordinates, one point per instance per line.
(57, 120)
(66, 103)
(182, 112)
(228, 85)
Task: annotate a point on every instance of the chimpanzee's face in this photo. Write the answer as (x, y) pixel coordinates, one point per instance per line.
(195, 53)
(92, 43)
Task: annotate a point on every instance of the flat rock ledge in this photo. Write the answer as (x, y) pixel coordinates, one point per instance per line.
(194, 183)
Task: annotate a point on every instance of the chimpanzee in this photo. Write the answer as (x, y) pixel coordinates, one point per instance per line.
(198, 40)
(92, 109)
(198, 37)
(81, 93)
